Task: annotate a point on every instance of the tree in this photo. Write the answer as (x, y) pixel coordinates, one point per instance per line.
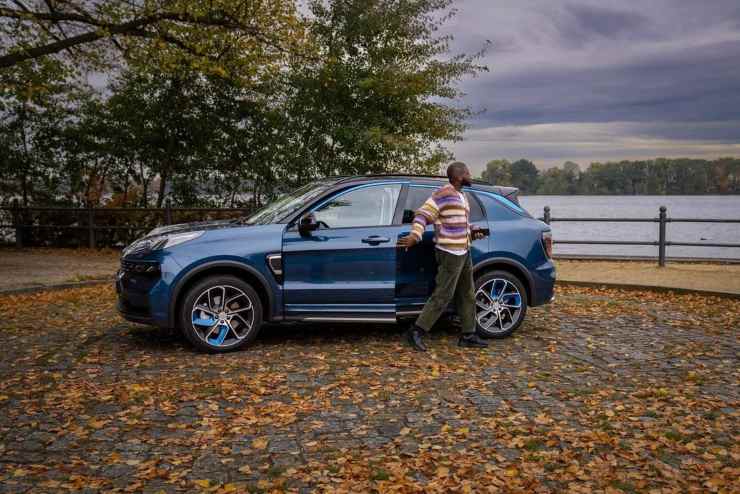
(217, 36)
(35, 101)
(524, 175)
(372, 99)
(572, 172)
(497, 172)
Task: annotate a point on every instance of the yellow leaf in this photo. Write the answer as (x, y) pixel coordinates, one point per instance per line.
(259, 443)
(542, 419)
(511, 472)
(229, 488)
(204, 483)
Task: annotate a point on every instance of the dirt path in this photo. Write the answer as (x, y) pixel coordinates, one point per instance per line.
(709, 277)
(29, 268)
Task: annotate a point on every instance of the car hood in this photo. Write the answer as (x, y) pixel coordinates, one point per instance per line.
(193, 226)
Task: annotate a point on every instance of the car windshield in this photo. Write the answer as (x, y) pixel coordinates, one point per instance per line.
(280, 209)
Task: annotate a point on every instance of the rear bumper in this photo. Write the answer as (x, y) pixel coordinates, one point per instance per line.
(543, 284)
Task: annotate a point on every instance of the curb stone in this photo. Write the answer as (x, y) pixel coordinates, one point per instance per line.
(58, 286)
(655, 288)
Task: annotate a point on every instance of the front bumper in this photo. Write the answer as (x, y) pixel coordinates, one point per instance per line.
(133, 315)
(142, 291)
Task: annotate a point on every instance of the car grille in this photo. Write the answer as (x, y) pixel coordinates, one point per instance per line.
(140, 267)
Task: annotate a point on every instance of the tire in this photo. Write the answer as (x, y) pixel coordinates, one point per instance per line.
(213, 328)
(503, 319)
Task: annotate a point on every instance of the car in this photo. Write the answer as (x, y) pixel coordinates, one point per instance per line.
(327, 253)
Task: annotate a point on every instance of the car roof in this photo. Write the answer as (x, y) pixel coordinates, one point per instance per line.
(509, 192)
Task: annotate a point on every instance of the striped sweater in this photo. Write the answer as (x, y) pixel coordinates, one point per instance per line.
(450, 216)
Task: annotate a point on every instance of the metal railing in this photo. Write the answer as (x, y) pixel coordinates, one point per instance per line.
(86, 224)
(85, 219)
(662, 241)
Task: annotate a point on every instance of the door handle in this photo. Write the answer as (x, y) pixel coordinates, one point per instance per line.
(375, 240)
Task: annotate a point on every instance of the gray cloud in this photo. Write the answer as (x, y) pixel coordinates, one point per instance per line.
(588, 22)
(671, 66)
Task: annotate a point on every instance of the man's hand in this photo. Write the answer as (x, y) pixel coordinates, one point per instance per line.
(477, 232)
(406, 242)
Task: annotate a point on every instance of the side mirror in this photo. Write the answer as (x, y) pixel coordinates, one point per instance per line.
(307, 224)
(408, 216)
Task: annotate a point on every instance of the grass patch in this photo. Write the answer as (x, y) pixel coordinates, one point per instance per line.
(534, 445)
(78, 278)
(275, 471)
(623, 486)
(379, 474)
(674, 435)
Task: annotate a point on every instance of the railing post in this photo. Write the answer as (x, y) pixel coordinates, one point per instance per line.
(18, 221)
(167, 212)
(547, 215)
(661, 236)
(91, 226)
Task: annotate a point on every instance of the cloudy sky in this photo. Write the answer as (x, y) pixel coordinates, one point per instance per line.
(596, 80)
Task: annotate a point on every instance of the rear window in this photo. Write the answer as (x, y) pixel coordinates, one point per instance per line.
(417, 195)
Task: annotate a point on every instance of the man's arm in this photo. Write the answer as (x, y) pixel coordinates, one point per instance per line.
(427, 214)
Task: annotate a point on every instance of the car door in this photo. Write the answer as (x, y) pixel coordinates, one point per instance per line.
(346, 269)
(417, 267)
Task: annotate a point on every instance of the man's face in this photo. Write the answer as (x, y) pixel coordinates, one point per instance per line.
(466, 179)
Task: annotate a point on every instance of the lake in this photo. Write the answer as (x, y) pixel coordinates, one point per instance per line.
(726, 207)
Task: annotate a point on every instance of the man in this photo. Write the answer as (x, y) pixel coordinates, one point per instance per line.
(449, 211)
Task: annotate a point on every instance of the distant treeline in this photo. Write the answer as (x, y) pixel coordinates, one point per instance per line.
(659, 176)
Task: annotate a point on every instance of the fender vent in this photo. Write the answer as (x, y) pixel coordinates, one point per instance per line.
(275, 261)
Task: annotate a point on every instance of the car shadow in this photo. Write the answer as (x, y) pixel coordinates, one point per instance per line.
(298, 334)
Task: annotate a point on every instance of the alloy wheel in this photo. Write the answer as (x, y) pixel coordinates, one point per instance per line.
(222, 315)
(498, 306)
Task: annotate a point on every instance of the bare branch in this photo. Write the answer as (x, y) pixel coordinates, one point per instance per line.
(135, 27)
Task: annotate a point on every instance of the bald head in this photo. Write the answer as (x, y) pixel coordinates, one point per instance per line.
(458, 174)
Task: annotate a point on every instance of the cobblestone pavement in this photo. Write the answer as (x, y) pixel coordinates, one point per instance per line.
(609, 391)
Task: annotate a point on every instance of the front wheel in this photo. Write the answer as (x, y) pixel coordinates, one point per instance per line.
(500, 304)
(220, 314)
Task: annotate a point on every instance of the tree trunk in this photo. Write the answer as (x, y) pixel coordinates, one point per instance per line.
(163, 177)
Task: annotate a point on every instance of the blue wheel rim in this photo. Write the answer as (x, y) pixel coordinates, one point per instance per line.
(222, 316)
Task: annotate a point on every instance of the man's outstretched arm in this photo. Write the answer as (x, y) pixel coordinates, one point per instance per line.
(427, 214)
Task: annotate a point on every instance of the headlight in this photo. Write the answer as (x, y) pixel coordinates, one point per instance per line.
(177, 238)
(160, 242)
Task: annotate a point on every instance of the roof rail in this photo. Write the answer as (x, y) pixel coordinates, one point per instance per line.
(344, 178)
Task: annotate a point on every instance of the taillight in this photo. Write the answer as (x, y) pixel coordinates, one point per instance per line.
(547, 243)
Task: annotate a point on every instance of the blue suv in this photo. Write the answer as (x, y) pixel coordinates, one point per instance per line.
(327, 253)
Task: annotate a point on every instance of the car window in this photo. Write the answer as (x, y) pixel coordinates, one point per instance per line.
(417, 195)
(288, 204)
(365, 206)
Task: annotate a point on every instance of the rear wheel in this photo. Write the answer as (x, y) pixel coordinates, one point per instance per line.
(220, 314)
(500, 304)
